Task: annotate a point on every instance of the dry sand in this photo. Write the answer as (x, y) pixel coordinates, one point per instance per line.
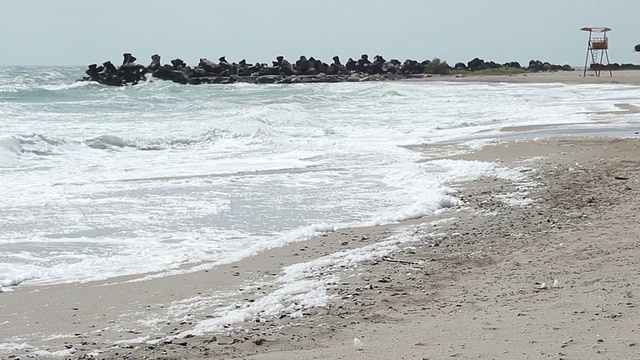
(546, 267)
(624, 77)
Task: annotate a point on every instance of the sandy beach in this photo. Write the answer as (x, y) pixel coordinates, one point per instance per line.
(545, 266)
(622, 77)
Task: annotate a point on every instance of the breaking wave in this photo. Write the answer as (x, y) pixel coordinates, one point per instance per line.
(14, 147)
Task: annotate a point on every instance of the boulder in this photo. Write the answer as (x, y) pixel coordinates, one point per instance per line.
(412, 67)
(285, 67)
(353, 78)
(93, 72)
(513, 64)
(476, 64)
(351, 65)
(178, 64)
(167, 72)
(362, 65)
(128, 59)
(267, 79)
(302, 65)
(209, 67)
(535, 65)
(336, 68)
(155, 63)
(179, 76)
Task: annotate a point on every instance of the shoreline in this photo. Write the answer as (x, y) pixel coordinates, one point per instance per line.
(458, 287)
(118, 310)
(620, 77)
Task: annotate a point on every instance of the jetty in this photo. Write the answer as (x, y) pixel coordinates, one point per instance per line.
(303, 70)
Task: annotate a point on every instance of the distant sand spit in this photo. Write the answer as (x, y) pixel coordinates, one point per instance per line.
(623, 77)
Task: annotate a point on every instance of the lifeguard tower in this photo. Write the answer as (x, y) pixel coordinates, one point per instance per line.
(597, 50)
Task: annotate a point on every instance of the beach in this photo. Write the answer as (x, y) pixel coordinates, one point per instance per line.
(622, 77)
(539, 264)
(546, 268)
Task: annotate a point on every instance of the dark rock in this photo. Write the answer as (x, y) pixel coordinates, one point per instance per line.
(475, 64)
(178, 64)
(167, 72)
(413, 67)
(179, 76)
(351, 65)
(321, 67)
(128, 59)
(109, 67)
(209, 66)
(513, 64)
(460, 66)
(267, 79)
(535, 66)
(303, 65)
(199, 72)
(155, 63)
(353, 78)
(363, 64)
(336, 68)
(285, 67)
(93, 72)
(304, 70)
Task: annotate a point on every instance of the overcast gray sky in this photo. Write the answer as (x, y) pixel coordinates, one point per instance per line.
(79, 32)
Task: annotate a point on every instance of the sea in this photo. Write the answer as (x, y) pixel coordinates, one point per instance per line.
(98, 182)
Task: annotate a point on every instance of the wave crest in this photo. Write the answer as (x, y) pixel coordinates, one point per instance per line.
(16, 147)
(12, 148)
(106, 142)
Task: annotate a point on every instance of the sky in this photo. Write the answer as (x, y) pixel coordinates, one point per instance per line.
(81, 32)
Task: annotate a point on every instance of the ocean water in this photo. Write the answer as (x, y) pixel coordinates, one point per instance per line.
(98, 182)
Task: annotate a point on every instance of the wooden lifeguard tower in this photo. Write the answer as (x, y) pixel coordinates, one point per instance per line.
(597, 50)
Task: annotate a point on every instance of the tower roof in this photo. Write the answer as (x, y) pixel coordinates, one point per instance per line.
(596, 29)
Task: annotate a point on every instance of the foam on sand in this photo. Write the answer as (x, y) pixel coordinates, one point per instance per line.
(301, 286)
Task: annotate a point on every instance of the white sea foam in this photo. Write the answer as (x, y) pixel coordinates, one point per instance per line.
(99, 182)
(300, 287)
(138, 340)
(9, 347)
(56, 354)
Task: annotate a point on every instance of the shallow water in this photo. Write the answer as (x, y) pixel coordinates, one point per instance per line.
(99, 182)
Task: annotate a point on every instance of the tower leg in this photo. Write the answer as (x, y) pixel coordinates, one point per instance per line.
(606, 52)
(586, 60)
(600, 63)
